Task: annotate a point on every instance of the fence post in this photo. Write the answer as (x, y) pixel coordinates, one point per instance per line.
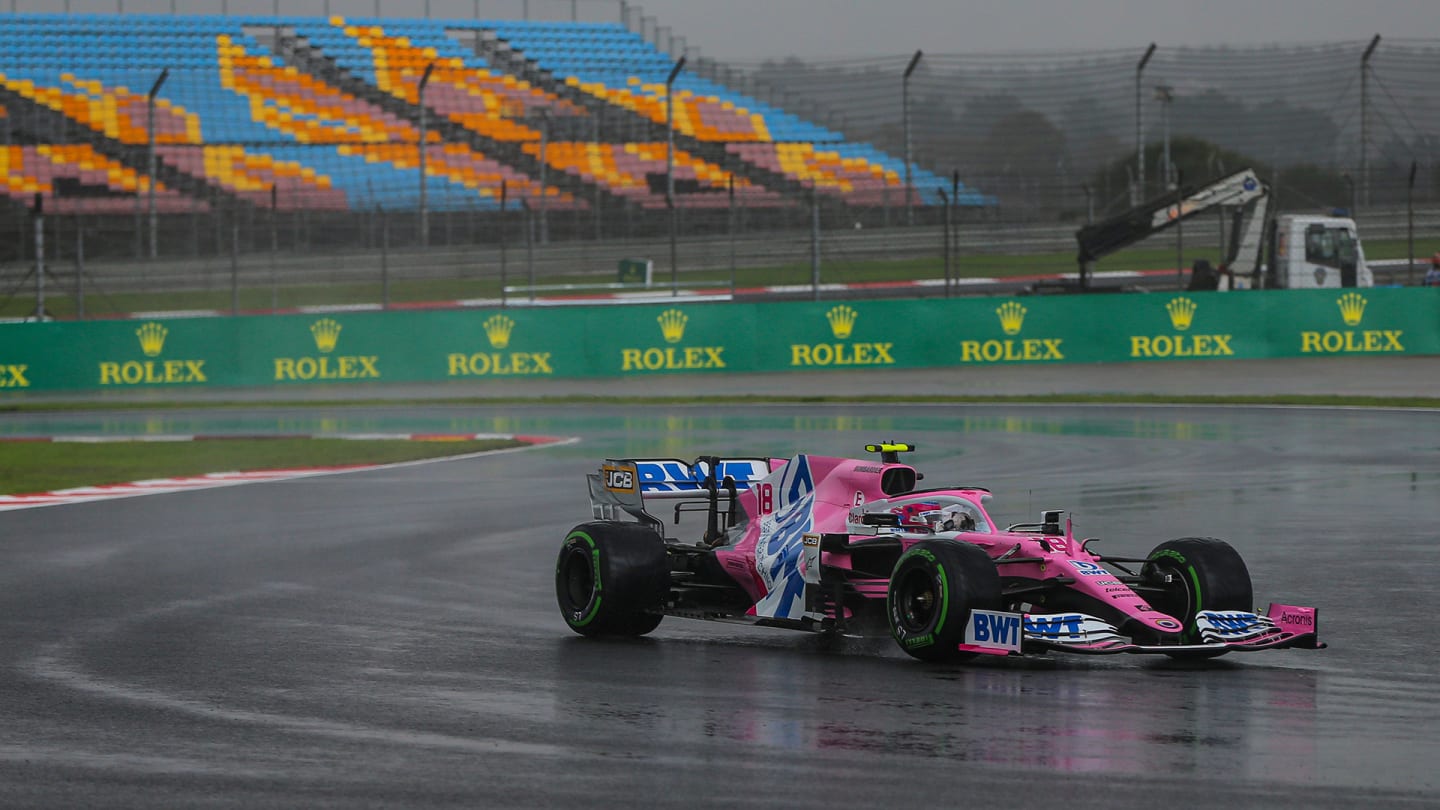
(504, 282)
(1410, 227)
(39, 258)
(952, 229)
(274, 254)
(731, 226)
(384, 259)
(529, 246)
(234, 260)
(80, 267)
(945, 198)
(815, 243)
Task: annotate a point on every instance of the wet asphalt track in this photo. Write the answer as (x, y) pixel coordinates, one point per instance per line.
(389, 638)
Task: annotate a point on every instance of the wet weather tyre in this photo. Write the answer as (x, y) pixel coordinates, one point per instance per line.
(933, 588)
(1204, 574)
(611, 579)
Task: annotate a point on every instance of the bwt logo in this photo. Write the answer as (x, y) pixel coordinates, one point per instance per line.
(996, 628)
(677, 476)
(1231, 621)
(1054, 626)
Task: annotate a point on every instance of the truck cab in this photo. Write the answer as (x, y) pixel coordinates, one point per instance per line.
(1312, 252)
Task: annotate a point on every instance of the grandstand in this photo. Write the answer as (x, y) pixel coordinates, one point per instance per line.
(329, 115)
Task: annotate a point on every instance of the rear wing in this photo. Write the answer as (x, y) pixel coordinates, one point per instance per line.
(623, 485)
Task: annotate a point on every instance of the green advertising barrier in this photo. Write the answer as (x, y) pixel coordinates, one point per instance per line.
(619, 341)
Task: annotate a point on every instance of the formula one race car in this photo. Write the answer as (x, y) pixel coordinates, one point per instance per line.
(849, 546)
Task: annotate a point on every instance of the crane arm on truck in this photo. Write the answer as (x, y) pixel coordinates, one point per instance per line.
(1241, 191)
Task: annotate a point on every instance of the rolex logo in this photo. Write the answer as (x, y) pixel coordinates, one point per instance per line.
(1352, 308)
(1182, 313)
(326, 332)
(1012, 317)
(842, 321)
(152, 338)
(672, 325)
(497, 329)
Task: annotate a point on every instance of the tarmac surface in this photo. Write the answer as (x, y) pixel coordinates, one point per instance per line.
(390, 639)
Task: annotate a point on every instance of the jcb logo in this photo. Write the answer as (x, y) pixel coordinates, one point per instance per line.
(620, 479)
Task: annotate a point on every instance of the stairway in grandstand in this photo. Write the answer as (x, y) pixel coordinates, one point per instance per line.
(324, 114)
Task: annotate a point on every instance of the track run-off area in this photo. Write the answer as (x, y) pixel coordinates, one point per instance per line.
(389, 637)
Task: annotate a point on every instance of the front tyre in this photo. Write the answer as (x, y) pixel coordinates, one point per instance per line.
(611, 579)
(1195, 574)
(933, 588)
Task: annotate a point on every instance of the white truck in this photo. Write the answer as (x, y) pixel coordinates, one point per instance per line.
(1289, 251)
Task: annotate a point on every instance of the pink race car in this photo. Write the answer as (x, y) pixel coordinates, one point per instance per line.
(850, 546)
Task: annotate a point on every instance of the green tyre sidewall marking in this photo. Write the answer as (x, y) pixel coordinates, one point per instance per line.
(1193, 632)
(928, 639)
(595, 565)
(944, 596)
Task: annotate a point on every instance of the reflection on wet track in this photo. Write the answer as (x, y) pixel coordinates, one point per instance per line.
(390, 638)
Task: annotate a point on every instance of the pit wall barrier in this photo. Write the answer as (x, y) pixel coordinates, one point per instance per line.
(714, 338)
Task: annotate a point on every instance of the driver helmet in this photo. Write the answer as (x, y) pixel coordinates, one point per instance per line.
(916, 515)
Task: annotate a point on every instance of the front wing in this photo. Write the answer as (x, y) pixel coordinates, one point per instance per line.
(1282, 626)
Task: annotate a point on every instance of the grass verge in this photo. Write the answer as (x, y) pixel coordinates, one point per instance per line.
(837, 269)
(29, 467)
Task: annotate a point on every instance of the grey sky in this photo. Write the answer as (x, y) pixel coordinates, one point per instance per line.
(753, 30)
(746, 30)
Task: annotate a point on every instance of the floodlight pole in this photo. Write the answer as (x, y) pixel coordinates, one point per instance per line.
(150, 132)
(1365, 121)
(905, 122)
(670, 171)
(1138, 193)
(424, 149)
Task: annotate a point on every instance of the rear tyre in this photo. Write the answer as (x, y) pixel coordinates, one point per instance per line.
(933, 588)
(1204, 574)
(611, 579)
